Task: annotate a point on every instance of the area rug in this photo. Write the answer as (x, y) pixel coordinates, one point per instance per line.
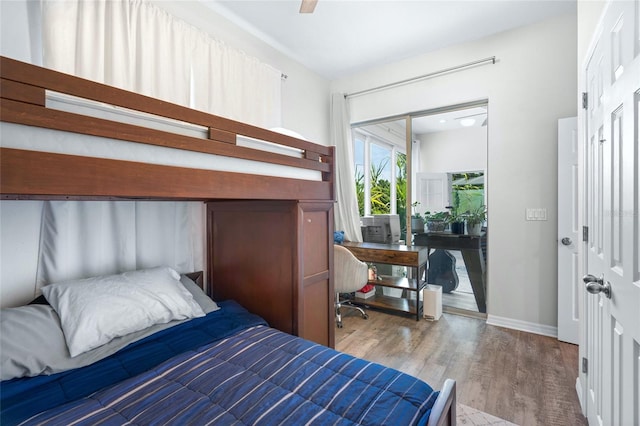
(468, 416)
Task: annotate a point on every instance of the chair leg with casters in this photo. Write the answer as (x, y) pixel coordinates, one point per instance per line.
(350, 276)
(346, 304)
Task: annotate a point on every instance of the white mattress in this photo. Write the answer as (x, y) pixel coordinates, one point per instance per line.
(46, 140)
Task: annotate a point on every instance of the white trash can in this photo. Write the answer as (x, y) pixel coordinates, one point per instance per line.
(432, 305)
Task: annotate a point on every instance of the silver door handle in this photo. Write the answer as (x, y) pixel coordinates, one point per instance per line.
(566, 241)
(597, 285)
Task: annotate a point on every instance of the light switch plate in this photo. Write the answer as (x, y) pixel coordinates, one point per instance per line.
(536, 214)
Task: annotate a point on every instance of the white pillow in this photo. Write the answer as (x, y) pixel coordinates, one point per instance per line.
(287, 132)
(93, 311)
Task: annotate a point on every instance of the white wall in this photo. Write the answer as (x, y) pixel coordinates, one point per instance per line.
(20, 30)
(461, 150)
(531, 86)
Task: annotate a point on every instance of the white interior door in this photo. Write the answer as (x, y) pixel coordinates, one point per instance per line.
(569, 279)
(433, 191)
(611, 343)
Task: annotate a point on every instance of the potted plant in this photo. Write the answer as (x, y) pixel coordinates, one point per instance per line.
(417, 222)
(475, 218)
(456, 221)
(436, 222)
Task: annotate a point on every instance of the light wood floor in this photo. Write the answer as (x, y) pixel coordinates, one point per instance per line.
(521, 377)
(460, 300)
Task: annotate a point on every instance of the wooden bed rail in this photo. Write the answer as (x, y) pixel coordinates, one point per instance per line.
(23, 91)
(47, 176)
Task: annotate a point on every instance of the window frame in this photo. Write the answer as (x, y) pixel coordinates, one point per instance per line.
(369, 139)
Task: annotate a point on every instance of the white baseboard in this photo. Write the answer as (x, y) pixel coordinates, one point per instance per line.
(579, 392)
(531, 327)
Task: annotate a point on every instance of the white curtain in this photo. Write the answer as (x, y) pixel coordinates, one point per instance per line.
(347, 217)
(122, 43)
(162, 49)
(92, 40)
(139, 47)
(230, 83)
(91, 238)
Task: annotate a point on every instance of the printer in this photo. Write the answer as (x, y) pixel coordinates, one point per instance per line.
(381, 228)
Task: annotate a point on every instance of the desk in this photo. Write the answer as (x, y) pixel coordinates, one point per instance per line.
(394, 254)
(471, 248)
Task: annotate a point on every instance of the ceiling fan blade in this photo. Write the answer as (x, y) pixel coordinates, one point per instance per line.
(307, 6)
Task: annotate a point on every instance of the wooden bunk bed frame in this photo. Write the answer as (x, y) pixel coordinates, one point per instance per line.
(293, 289)
(23, 90)
(269, 239)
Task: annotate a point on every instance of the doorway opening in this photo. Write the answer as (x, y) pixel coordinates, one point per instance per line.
(432, 165)
(449, 153)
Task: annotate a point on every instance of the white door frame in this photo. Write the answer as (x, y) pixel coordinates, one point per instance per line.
(569, 235)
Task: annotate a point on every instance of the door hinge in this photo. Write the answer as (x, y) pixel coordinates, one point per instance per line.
(585, 365)
(585, 100)
(585, 234)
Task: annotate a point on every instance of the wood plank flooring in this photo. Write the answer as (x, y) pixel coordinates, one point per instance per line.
(521, 377)
(460, 300)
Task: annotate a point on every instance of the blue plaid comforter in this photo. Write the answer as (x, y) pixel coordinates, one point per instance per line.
(257, 376)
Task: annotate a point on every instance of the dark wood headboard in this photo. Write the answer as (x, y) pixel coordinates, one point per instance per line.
(198, 278)
(43, 175)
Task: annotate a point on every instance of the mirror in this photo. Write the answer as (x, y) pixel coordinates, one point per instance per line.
(449, 158)
(425, 166)
(449, 154)
(425, 172)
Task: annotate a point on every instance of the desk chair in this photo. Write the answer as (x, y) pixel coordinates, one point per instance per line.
(350, 275)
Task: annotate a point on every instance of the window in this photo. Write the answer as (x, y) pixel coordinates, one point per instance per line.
(467, 191)
(380, 179)
(380, 174)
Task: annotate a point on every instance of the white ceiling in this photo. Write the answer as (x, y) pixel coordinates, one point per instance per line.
(343, 37)
(450, 120)
(434, 123)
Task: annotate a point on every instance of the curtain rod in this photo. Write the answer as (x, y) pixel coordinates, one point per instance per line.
(491, 59)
